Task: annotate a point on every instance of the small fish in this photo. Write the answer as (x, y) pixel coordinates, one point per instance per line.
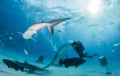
(111, 23)
(10, 38)
(117, 44)
(12, 33)
(49, 40)
(34, 39)
(59, 31)
(113, 50)
(25, 51)
(20, 33)
(91, 25)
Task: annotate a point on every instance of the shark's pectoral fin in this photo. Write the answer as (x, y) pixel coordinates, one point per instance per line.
(51, 29)
(76, 66)
(16, 69)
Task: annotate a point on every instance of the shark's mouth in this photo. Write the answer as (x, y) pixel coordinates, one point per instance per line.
(28, 34)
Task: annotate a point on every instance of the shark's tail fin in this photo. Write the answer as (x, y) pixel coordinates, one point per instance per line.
(55, 22)
(19, 67)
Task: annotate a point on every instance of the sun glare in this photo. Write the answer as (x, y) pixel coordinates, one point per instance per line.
(94, 6)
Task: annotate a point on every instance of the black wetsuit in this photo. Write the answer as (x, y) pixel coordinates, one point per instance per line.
(79, 48)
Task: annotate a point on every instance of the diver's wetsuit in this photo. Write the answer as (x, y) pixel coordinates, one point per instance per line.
(79, 48)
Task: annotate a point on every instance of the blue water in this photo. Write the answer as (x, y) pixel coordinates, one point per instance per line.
(98, 32)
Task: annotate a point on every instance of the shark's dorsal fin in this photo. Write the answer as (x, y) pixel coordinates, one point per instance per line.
(25, 62)
(50, 28)
(16, 61)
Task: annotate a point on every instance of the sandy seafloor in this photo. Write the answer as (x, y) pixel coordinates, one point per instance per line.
(90, 68)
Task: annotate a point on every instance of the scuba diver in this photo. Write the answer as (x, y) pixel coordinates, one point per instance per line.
(79, 48)
(40, 59)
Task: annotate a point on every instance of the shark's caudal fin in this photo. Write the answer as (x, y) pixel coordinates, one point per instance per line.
(55, 22)
(60, 52)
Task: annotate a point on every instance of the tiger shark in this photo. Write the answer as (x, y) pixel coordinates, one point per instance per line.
(35, 27)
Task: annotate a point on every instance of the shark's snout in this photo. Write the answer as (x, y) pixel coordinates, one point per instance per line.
(4, 60)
